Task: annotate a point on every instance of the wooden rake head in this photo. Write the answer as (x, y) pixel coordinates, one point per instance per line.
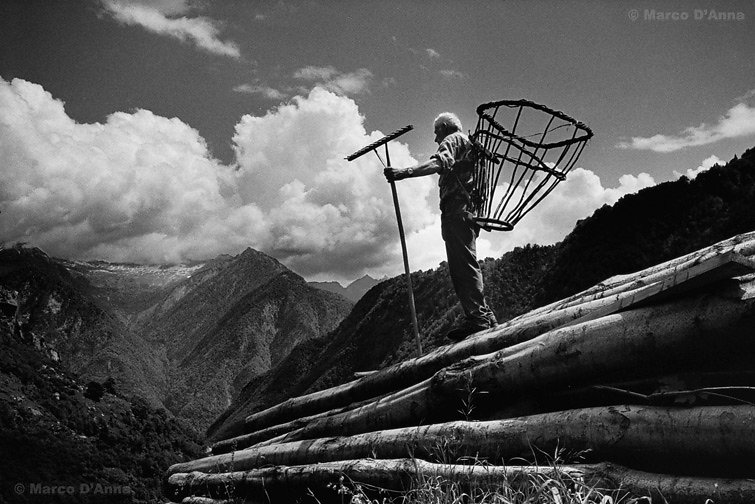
(383, 141)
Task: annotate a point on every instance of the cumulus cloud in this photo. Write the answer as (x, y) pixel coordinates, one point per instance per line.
(739, 121)
(432, 53)
(139, 187)
(343, 83)
(161, 17)
(144, 188)
(322, 208)
(706, 164)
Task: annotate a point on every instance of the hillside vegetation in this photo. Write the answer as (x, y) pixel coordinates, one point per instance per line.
(64, 440)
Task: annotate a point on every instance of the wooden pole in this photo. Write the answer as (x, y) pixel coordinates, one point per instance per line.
(407, 273)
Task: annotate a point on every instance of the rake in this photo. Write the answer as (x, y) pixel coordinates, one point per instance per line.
(407, 274)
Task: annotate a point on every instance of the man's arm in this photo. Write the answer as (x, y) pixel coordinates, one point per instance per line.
(427, 168)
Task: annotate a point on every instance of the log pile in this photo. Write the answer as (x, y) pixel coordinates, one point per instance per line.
(648, 377)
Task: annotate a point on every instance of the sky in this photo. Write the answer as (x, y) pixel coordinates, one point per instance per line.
(175, 130)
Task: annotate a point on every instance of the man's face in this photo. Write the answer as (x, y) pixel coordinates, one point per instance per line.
(440, 133)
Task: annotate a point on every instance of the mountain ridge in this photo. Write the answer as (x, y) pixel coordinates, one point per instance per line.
(156, 328)
(354, 291)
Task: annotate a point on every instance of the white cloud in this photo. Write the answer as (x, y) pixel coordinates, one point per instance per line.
(343, 83)
(144, 188)
(138, 187)
(432, 53)
(159, 17)
(313, 73)
(739, 121)
(706, 164)
(452, 74)
(262, 90)
(325, 212)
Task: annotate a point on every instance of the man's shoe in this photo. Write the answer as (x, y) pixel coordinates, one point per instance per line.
(466, 328)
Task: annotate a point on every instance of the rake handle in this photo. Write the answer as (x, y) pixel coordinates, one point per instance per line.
(407, 273)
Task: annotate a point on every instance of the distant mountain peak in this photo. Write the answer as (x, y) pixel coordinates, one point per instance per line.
(353, 292)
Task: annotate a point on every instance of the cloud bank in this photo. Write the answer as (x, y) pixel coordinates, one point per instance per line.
(144, 188)
(160, 17)
(738, 121)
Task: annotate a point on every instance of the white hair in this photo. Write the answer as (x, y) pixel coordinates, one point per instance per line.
(448, 120)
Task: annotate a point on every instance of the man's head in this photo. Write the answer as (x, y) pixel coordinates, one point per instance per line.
(445, 124)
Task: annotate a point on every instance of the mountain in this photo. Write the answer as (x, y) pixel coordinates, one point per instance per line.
(640, 230)
(186, 337)
(253, 334)
(59, 314)
(354, 291)
(88, 439)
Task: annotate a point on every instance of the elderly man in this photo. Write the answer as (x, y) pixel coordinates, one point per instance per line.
(454, 161)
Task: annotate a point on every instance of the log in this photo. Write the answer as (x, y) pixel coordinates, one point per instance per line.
(701, 387)
(275, 431)
(642, 343)
(406, 474)
(679, 489)
(360, 374)
(704, 266)
(392, 474)
(706, 441)
(394, 377)
(204, 500)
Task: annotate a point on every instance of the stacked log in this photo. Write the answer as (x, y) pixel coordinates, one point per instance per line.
(652, 371)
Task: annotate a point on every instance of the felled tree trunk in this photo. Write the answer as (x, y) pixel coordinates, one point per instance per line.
(715, 265)
(246, 440)
(706, 389)
(709, 439)
(405, 474)
(640, 343)
(391, 474)
(204, 500)
(741, 245)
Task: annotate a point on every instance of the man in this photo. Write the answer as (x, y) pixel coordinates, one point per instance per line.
(454, 161)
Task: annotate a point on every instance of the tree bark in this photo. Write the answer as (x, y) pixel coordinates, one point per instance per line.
(707, 440)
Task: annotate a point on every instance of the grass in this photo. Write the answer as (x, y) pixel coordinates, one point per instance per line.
(551, 486)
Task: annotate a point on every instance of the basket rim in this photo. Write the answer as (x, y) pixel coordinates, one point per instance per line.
(481, 112)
